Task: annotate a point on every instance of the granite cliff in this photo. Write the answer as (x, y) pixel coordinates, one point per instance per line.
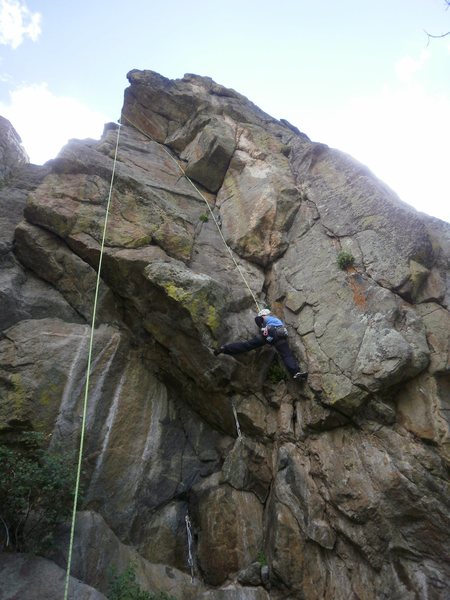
(338, 488)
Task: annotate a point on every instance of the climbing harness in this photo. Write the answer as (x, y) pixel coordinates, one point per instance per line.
(88, 372)
(189, 538)
(216, 222)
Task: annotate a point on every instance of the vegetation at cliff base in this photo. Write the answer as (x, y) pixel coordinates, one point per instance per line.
(36, 494)
(125, 587)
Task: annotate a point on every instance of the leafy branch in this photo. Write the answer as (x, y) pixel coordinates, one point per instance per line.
(36, 493)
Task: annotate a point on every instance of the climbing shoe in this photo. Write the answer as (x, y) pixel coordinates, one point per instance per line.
(218, 351)
(301, 375)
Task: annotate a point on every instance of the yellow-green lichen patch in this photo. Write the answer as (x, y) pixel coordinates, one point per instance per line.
(213, 319)
(175, 292)
(196, 302)
(199, 295)
(14, 405)
(418, 276)
(175, 240)
(48, 395)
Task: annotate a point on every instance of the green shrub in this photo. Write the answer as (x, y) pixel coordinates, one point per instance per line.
(204, 218)
(345, 259)
(36, 494)
(262, 558)
(276, 372)
(125, 587)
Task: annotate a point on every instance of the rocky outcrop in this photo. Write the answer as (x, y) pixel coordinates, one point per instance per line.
(88, 564)
(34, 578)
(12, 153)
(22, 295)
(338, 487)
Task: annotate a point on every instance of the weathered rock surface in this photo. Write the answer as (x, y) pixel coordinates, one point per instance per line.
(338, 488)
(92, 533)
(231, 526)
(34, 578)
(12, 153)
(22, 296)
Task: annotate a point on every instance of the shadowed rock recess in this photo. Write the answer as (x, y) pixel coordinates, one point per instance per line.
(338, 488)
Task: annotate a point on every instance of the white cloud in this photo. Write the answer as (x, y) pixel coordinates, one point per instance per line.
(407, 66)
(45, 122)
(401, 133)
(17, 22)
(408, 145)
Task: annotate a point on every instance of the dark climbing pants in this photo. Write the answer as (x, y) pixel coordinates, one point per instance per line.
(281, 346)
(289, 360)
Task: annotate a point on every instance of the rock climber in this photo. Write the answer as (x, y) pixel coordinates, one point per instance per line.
(273, 332)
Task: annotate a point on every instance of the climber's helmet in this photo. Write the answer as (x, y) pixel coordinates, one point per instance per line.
(264, 312)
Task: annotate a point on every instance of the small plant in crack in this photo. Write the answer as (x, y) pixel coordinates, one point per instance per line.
(203, 218)
(262, 558)
(345, 259)
(276, 373)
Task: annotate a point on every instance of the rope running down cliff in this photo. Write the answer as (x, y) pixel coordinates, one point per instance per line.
(88, 372)
(91, 338)
(147, 135)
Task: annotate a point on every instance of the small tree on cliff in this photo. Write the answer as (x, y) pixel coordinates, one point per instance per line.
(36, 493)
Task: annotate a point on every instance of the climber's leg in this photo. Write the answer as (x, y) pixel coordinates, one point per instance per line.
(289, 360)
(239, 347)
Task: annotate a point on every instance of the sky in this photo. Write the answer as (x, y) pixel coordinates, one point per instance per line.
(358, 75)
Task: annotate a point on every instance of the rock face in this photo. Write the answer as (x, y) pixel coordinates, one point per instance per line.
(12, 153)
(338, 488)
(18, 571)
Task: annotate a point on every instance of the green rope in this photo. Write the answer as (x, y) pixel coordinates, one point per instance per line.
(86, 389)
(91, 339)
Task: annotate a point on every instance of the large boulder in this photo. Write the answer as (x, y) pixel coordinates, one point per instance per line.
(230, 531)
(34, 578)
(92, 532)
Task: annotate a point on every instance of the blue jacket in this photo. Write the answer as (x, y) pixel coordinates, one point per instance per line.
(271, 321)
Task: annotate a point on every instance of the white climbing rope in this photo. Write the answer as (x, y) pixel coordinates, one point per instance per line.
(189, 537)
(238, 427)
